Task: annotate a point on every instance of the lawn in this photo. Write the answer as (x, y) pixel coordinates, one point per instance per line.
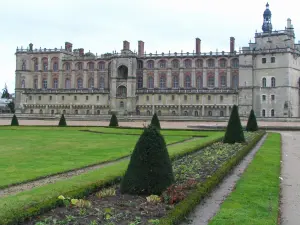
(256, 197)
(31, 152)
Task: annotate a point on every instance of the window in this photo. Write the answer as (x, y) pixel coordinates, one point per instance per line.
(223, 80)
(50, 98)
(31, 111)
(175, 81)
(79, 83)
(147, 98)
(35, 83)
(264, 97)
(87, 112)
(24, 66)
(67, 83)
(40, 98)
(45, 65)
(264, 82)
(30, 97)
(67, 66)
(263, 113)
(63, 98)
(97, 98)
(173, 97)
(52, 111)
(188, 63)
(98, 112)
(76, 111)
(64, 111)
(199, 82)
(199, 63)
(235, 81)
(197, 97)
(235, 63)
(101, 66)
(150, 64)
(150, 82)
(209, 98)
(86, 97)
(23, 84)
(222, 63)
(210, 113)
(41, 111)
(140, 82)
(263, 60)
(273, 97)
(121, 104)
(91, 66)
(185, 98)
(173, 113)
(159, 113)
(210, 63)
(101, 82)
(121, 92)
(75, 98)
(45, 83)
(272, 112)
(36, 65)
(221, 113)
(91, 83)
(159, 98)
(140, 64)
(175, 63)
(221, 98)
(273, 82)
(162, 64)
(162, 81)
(55, 66)
(185, 113)
(196, 113)
(187, 81)
(55, 83)
(272, 59)
(148, 113)
(211, 81)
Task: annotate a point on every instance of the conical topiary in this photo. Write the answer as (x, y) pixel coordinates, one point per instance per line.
(113, 121)
(14, 121)
(155, 121)
(150, 169)
(62, 121)
(234, 131)
(252, 123)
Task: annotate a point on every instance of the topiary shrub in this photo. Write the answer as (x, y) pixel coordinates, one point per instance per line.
(234, 131)
(252, 123)
(150, 169)
(14, 121)
(62, 121)
(155, 121)
(113, 121)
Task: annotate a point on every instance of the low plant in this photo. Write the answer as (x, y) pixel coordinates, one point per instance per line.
(153, 222)
(68, 202)
(153, 199)
(107, 192)
(173, 194)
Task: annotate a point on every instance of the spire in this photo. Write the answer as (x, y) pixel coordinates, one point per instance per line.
(267, 25)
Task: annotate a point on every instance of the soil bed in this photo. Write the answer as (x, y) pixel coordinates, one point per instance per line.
(132, 210)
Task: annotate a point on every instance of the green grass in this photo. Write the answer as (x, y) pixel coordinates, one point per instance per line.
(256, 197)
(28, 153)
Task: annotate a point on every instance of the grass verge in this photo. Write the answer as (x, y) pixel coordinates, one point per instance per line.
(183, 208)
(255, 199)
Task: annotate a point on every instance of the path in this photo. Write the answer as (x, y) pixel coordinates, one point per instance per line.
(54, 178)
(210, 206)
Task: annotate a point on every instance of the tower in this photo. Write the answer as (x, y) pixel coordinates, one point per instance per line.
(267, 25)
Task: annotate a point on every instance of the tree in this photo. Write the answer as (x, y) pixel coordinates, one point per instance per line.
(155, 121)
(234, 131)
(113, 121)
(62, 121)
(14, 121)
(11, 106)
(5, 93)
(150, 169)
(252, 124)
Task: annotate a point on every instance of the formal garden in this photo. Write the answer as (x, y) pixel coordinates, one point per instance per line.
(147, 176)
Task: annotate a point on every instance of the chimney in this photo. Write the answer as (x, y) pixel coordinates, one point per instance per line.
(289, 23)
(68, 46)
(81, 52)
(232, 44)
(141, 48)
(126, 45)
(198, 46)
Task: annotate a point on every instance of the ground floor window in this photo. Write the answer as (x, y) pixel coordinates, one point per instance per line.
(272, 113)
(64, 111)
(159, 113)
(41, 111)
(185, 113)
(210, 113)
(31, 111)
(52, 111)
(148, 113)
(173, 113)
(222, 113)
(196, 113)
(263, 113)
(76, 111)
(98, 112)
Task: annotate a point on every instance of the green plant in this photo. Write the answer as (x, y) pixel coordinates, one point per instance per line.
(153, 199)
(155, 121)
(14, 121)
(94, 222)
(252, 123)
(150, 169)
(82, 212)
(153, 222)
(106, 192)
(69, 218)
(234, 131)
(137, 221)
(62, 121)
(113, 121)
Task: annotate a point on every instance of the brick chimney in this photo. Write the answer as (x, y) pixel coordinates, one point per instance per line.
(232, 44)
(81, 52)
(198, 46)
(141, 48)
(126, 45)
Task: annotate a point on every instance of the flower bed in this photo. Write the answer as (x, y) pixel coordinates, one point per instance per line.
(110, 207)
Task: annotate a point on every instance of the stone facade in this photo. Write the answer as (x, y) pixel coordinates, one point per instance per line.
(263, 76)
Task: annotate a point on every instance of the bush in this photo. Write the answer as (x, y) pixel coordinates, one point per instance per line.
(113, 121)
(234, 131)
(252, 124)
(155, 121)
(14, 121)
(62, 121)
(150, 169)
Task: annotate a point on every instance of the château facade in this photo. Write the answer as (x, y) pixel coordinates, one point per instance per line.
(263, 76)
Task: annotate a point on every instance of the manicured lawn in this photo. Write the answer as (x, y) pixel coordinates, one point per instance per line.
(256, 197)
(31, 152)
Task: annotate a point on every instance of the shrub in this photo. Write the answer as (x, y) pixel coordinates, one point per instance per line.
(234, 131)
(155, 121)
(252, 124)
(62, 121)
(150, 169)
(14, 121)
(113, 121)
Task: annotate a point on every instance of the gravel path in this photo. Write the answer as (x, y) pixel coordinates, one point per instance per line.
(210, 206)
(54, 178)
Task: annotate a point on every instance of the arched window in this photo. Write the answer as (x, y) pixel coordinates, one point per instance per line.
(140, 64)
(45, 64)
(273, 82)
(175, 63)
(23, 84)
(52, 111)
(91, 66)
(175, 83)
(235, 81)
(101, 65)
(121, 92)
(79, 66)
(209, 113)
(211, 81)
(173, 113)
(87, 112)
(264, 82)
(31, 111)
(222, 63)
(98, 112)
(35, 83)
(55, 66)
(76, 111)
(79, 83)
(24, 65)
(210, 63)
(45, 83)
(150, 82)
(121, 104)
(150, 64)
(223, 80)
(188, 63)
(67, 83)
(64, 111)
(91, 83)
(162, 64)
(159, 113)
(187, 81)
(272, 112)
(162, 81)
(235, 63)
(140, 82)
(101, 82)
(221, 113)
(263, 113)
(41, 111)
(199, 63)
(123, 72)
(137, 112)
(55, 83)
(196, 113)
(199, 82)
(185, 113)
(148, 113)
(67, 66)
(35, 65)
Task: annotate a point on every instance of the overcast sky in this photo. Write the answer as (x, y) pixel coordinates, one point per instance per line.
(101, 25)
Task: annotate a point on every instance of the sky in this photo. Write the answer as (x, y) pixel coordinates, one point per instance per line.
(102, 25)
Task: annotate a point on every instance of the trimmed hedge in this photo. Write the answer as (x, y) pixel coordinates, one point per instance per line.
(155, 121)
(62, 121)
(14, 121)
(183, 208)
(252, 123)
(113, 121)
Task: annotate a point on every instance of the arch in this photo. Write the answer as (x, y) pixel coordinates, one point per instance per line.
(35, 64)
(148, 113)
(98, 112)
(235, 81)
(210, 63)
(196, 113)
(55, 83)
(23, 84)
(173, 113)
(209, 113)
(150, 82)
(211, 80)
(45, 83)
(159, 113)
(45, 64)
(187, 81)
(41, 111)
(272, 112)
(235, 63)
(67, 83)
(199, 81)
(64, 111)
(222, 63)
(123, 72)
(187, 63)
(31, 111)
(101, 82)
(222, 113)
(91, 66)
(79, 83)
(140, 64)
(35, 83)
(87, 111)
(137, 112)
(54, 62)
(79, 66)
(101, 65)
(273, 82)
(175, 63)
(150, 64)
(162, 80)
(175, 81)
(52, 111)
(162, 63)
(24, 65)
(199, 63)
(121, 92)
(263, 113)
(185, 113)
(264, 82)
(140, 81)
(91, 83)
(222, 80)
(121, 104)
(76, 111)
(67, 66)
